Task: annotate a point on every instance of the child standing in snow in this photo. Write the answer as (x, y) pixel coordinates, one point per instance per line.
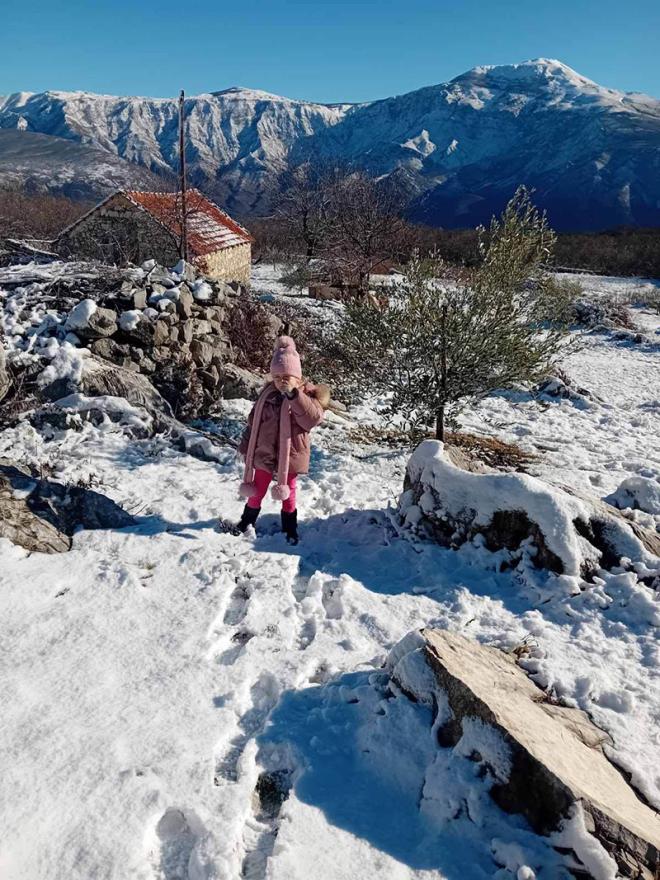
(276, 440)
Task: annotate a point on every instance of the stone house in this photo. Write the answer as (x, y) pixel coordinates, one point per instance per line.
(131, 227)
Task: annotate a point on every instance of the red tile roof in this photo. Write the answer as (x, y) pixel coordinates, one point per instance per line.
(209, 228)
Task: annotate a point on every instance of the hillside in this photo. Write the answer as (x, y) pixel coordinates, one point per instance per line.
(182, 704)
(43, 163)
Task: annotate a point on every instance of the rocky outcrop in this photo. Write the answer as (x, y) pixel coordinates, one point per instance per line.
(41, 515)
(553, 527)
(550, 759)
(99, 378)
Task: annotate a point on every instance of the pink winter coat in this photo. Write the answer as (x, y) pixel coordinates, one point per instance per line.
(306, 413)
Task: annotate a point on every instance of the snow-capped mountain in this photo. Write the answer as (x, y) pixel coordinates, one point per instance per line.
(238, 140)
(458, 149)
(593, 154)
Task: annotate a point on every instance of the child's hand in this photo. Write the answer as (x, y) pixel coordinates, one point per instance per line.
(287, 384)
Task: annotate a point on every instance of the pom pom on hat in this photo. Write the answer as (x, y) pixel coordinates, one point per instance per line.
(286, 360)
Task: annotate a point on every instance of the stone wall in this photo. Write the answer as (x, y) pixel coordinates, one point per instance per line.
(230, 264)
(118, 232)
(166, 324)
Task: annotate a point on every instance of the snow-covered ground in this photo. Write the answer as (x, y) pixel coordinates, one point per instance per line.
(153, 678)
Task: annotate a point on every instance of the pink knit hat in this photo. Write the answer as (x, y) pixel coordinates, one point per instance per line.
(286, 360)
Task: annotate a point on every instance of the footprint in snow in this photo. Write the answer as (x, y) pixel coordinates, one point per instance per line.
(271, 791)
(237, 607)
(176, 841)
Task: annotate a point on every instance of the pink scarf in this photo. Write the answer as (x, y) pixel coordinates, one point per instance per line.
(280, 491)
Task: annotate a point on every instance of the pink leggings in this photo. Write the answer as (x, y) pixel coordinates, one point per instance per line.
(262, 482)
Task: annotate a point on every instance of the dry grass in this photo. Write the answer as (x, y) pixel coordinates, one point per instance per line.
(489, 450)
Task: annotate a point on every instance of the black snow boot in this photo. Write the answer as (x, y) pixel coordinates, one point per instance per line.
(290, 526)
(248, 518)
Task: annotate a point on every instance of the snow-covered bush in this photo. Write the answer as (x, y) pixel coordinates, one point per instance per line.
(251, 334)
(606, 312)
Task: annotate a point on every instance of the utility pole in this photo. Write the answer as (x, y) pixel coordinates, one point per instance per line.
(183, 250)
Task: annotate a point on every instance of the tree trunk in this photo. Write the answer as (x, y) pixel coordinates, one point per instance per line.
(440, 423)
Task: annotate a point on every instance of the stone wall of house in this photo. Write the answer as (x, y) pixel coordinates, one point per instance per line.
(230, 264)
(118, 232)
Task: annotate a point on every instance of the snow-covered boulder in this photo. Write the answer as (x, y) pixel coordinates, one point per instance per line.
(185, 271)
(202, 291)
(102, 379)
(81, 314)
(535, 758)
(41, 516)
(97, 377)
(556, 529)
(129, 320)
(637, 493)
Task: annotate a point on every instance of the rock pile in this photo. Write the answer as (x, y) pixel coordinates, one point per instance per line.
(155, 319)
(149, 320)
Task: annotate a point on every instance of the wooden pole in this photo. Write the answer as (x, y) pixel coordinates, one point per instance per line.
(440, 413)
(183, 249)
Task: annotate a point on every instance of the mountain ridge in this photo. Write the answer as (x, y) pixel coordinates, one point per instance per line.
(458, 148)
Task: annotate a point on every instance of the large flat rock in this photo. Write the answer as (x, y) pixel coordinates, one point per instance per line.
(557, 754)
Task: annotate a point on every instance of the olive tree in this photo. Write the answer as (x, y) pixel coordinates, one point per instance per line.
(438, 344)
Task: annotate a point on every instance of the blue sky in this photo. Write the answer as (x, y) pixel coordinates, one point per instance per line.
(322, 51)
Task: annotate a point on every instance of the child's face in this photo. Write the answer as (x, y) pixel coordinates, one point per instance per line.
(286, 384)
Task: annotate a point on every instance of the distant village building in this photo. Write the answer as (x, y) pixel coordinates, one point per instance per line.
(137, 226)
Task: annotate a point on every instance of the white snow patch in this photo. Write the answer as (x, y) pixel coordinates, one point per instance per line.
(80, 314)
(130, 319)
(574, 835)
(67, 363)
(638, 493)
(202, 290)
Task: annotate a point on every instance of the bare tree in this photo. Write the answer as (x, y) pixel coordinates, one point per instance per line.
(40, 216)
(365, 228)
(342, 221)
(304, 208)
